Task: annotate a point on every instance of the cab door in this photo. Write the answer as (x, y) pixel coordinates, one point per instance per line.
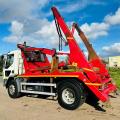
(8, 67)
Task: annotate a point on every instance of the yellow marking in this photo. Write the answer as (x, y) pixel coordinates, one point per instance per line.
(87, 69)
(96, 69)
(95, 84)
(74, 64)
(69, 37)
(48, 76)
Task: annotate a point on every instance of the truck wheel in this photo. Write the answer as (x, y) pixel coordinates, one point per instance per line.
(71, 95)
(13, 90)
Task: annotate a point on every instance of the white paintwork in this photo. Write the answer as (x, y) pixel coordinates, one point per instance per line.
(37, 92)
(17, 65)
(39, 84)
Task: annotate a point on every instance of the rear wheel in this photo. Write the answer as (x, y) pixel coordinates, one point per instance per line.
(13, 89)
(71, 94)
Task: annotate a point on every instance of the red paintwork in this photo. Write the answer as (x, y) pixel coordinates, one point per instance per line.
(42, 69)
(95, 60)
(102, 68)
(76, 55)
(33, 67)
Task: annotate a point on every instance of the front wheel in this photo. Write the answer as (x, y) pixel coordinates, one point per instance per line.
(71, 95)
(13, 89)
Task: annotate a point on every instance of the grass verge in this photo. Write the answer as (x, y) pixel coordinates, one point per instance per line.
(115, 74)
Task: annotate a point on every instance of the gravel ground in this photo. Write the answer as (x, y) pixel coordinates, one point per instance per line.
(30, 108)
(1, 80)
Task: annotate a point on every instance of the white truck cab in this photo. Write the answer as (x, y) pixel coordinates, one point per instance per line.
(13, 64)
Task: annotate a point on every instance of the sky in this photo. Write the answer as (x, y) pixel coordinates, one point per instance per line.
(32, 21)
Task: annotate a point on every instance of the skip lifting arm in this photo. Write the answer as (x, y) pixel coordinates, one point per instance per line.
(93, 58)
(75, 52)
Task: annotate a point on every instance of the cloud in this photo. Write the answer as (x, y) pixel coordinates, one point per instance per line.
(27, 22)
(17, 28)
(111, 50)
(43, 32)
(20, 9)
(45, 36)
(27, 25)
(69, 8)
(95, 30)
(113, 19)
(72, 6)
(48, 34)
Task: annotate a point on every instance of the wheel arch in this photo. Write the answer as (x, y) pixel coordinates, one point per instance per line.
(8, 81)
(17, 80)
(67, 79)
(59, 81)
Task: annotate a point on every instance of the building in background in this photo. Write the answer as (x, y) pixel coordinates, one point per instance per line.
(114, 61)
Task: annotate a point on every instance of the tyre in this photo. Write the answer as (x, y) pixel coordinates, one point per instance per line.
(13, 89)
(71, 94)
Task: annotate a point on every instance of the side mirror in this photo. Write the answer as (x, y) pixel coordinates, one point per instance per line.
(2, 57)
(2, 60)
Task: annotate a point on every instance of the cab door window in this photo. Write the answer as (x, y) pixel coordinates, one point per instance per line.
(9, 61)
